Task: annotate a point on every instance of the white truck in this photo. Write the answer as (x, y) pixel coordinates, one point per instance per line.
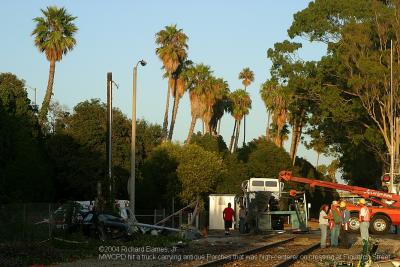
(272, 185)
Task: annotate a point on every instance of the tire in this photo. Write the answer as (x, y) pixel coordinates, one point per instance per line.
(354, 224)
(380, 224)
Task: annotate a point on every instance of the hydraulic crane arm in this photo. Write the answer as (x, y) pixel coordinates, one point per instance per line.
(371, 194)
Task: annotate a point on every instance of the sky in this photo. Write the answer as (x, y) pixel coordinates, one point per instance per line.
(228, 35)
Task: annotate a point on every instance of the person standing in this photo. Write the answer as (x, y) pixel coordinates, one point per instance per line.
(344, 238)
(336, 218)
(323, 224)
(228, 215)
(364, 218)
(242, 220)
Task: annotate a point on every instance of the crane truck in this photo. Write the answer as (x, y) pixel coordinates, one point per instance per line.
(385, 208)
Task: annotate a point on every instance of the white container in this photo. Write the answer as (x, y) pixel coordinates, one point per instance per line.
(218, 202)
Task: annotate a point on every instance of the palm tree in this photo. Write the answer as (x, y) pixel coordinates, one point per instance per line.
(220, 107)
(54, 36)
(275, 99)
(198, 80)
(239, 107)
(172, 46)
(215, 92)
(282, 137)
(266, 93)
(179, 86)
(247, 77)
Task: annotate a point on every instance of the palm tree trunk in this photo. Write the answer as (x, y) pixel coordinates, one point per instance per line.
(165, 124)
(46, 101)
(237, 135)
(207, 121)
(244, 130)
(316, 166)
(267, 130)
(244, 123)
(174, 112)
(232, 138)
(219, 126)
(191, 129)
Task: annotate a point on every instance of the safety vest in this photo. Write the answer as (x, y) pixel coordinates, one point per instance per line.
(366, 214)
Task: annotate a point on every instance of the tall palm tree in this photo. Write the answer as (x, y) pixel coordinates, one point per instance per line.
(220, 106)
(198, 80)
(281, 137)
(275, 99)
(247, 77)
(214, 92)
(179, 86)
(239, 107)
(54, 36)
(266, 93)
(172, 46)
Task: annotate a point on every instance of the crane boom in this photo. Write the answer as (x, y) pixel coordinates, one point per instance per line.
(374, 195)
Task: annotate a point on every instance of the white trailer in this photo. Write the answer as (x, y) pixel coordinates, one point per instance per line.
(218, 202)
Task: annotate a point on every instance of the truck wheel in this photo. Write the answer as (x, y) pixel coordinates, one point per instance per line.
(354, 224)
(380, 224)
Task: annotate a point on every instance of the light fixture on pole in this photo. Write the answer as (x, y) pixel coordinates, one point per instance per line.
(133, 144)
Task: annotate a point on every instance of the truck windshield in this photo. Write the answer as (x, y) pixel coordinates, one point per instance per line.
(257, 183)
(271, 183)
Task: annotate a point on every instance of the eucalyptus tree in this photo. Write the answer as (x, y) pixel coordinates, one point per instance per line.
(172, 51)
(332, 169)
(295, 77)
(247, 77)
(318, 144)
(239, 107)
(355, 104)
(54, 36)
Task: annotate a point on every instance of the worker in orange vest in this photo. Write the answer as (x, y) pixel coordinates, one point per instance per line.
(336, 219)
(364, 218)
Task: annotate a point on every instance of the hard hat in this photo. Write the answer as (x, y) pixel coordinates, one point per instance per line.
(334, 202)
(342, 204)
(361, 201)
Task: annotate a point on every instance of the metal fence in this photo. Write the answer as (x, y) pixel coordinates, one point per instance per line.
(26, 222)
(156, 215)
(41, 221)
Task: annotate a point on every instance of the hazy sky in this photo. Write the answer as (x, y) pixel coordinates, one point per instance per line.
(114, 35)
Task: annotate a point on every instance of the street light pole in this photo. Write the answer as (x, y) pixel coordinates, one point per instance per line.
(133, 143)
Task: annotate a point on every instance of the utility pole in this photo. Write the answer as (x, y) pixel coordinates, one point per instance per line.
(132, 185)
(392, 189)
(109, 134)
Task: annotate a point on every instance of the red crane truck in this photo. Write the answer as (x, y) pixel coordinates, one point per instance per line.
(385, 210)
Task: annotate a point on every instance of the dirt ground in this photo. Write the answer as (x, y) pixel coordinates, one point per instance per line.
(217, 245)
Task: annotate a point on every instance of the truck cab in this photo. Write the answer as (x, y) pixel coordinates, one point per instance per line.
(271, 188)
(272, 185)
